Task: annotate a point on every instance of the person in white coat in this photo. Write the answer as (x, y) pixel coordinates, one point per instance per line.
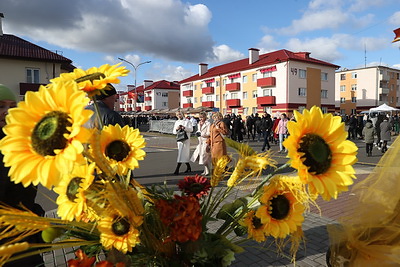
(201, 152)
(183, 146)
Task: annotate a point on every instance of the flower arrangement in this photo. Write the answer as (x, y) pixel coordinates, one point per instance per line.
(103, 210)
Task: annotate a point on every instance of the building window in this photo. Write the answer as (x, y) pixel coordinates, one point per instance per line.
(234, 95)
(342, 100)
(217, 84)
(354, 87)
(32, 76)
(302, 91)
(343, 88)
(302, 74)
(392, 99)
(354, 75)
(343, 111)
(254, 77)
(245, 111)
(209, 98)
(164, 94)
(324, 93)
(343, 76)
(267, 74)
(216, 97)
(244, 79)
(301, 108)
(244, 95)
(254, 94)
(195, 100)
(324, 109)
(353, 99)
(267, 92)
(254, 110)
(324, 76)
(195, 87)
(164, 104)
(224, 97)
(223, 82)
(208, 84)
(353, 111)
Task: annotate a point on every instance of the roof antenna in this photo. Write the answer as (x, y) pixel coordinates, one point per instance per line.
(365, 55)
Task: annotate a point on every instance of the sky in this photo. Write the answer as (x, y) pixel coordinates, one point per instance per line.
(177, 35)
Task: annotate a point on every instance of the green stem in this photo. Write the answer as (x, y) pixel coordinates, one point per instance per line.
(96, 107)
(268, 177)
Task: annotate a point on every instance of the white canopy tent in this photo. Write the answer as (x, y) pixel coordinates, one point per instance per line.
(383, 108)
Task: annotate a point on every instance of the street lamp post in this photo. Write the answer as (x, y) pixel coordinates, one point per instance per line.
(135, 67)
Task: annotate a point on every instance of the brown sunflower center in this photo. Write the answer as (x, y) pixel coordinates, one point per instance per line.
(280, 207)
(256, 222)
(196, 188)
(317, 154)
(49, 132)
(117, 150)
(90, 77)
(72, 188)
(120, 226)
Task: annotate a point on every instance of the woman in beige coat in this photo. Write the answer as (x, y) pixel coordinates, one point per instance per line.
(218, 130)
(201, 153)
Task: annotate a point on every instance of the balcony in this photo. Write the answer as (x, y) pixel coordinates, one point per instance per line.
(266, 101)
(188, 93)
(147, 108)
(208, 90)
(147, 98)
(233, 103)
(266, 82)
(187, 105)
(209, 104)
(25, 87)
(232, 87)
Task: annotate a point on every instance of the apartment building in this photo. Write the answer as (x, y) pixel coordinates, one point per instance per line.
(151, 95)
(279, 81)
(364, 88)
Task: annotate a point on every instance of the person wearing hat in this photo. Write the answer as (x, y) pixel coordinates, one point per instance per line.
(108, 115)
(13, 194)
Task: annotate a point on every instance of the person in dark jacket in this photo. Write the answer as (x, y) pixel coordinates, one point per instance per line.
(386, 133)
(369, 134)
(352, 131)
(267, 126)
(105, 103)
(16, 195)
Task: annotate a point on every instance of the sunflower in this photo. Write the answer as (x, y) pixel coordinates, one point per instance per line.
(122, 147)
(71, 200)
(44, 134)
(255, 228)
(118, 232)
(281, 209)
(318, 149)
(196, 186)
(94, 80)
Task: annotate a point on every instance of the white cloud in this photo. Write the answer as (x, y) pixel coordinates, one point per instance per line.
(165, 29)
(168, 72)
(268, 44)
(224, 54)
(321, 48)
(311, 21)
(395, 18)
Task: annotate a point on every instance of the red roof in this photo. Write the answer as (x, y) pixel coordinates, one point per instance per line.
(264, 60)
(16, 48)
(163, 84)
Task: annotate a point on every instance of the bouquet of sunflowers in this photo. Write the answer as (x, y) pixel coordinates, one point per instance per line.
(103, 211)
